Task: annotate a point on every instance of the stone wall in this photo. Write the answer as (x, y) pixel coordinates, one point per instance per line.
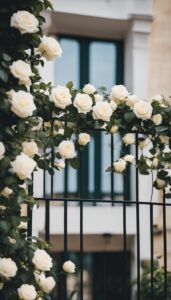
(160, 49)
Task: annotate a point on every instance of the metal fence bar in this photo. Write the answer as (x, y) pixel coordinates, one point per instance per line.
(125, 285)
(81, 225)
(165, 246)
(152, 251)
(66, 211)
(112, 174)
(65, 202)
(137, 219)
(102, 201)
(30, 212)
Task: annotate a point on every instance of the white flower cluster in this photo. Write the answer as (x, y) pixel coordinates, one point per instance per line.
(120, 165)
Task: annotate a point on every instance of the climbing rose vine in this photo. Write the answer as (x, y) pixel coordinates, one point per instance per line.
(26, 268)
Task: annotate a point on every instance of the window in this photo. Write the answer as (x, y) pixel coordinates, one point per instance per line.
(99, 62)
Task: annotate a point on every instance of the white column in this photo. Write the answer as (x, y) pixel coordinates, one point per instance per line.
(137, 57)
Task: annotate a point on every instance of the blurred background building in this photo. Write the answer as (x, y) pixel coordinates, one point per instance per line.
(106, 42)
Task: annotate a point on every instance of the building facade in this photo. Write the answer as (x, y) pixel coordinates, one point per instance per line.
(142, 62)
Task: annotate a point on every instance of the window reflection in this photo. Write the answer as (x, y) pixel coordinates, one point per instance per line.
(67, 67)
(102, 65)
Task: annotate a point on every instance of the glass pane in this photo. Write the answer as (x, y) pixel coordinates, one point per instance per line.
(67, 67)
(106, 162)
(102, 64)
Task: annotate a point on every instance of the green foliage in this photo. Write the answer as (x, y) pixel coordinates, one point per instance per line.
(158, 282)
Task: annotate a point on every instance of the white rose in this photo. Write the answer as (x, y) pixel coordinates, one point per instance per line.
(118, 93)
(98, 97)
(158, 98)
(8, 268)
(49, 48)
(67, 149)
(25, 22)
(2, 150)
(30, 148)
(39, 124)
(160, 183)
(52, 3)
(128, 138)
(23, 166)
(12, 241)
(61, 131)
(157, 119)
(60, 164)
(3, 207)
(143, 143)
(42, 260)
(83, 103)
(83, 139)
(168, 172)
(61, 96)
(89, 89)
(6, 192)
(114, 129)
(23, 225)
(131, 100)
(102, 111)
(166, 149)
(155, 162)
(22, 71)
(27, 292)
(10, 93)
(47, 284)
(129, 158)
(69, 267)
(143, 110)
(22, 104)
(113, 105)
(148, 162)
(164, 139)
(119, 166)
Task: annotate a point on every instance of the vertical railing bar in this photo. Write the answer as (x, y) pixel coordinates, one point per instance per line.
(30, 187)
(124, 244)
(112, 173)
(104, 276)
(152, 251)
(66, 212)
(30, 212)
(137, 220)
(165, 245)
(29, 215)
(81, 226)
(65, 223)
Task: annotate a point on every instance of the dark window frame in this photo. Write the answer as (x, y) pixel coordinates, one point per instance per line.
(84, 64)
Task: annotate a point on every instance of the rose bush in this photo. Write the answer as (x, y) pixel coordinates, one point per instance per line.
(24, 109)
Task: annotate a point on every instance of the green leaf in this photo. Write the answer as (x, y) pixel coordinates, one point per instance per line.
(6, 57)
(4, 227)
(69, 85)
(74, 162)
(129, 116)
(161, 129)
(73, 294)
(43, 164)
(4, 76)
(109, 169)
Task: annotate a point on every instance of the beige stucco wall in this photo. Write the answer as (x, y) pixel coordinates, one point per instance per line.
(160, 49)
(160, 82)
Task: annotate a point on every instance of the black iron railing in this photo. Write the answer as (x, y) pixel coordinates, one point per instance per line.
(122, 251)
